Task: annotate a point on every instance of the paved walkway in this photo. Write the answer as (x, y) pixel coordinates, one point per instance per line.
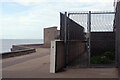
(37, 65)
(21, 60)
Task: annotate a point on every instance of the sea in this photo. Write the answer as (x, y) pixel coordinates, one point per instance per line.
(6, 44)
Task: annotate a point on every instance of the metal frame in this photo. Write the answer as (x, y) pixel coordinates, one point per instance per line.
(92, 13)
(89, 39)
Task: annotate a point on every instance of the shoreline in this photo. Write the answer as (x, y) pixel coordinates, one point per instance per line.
(6, 44)
(19, 50)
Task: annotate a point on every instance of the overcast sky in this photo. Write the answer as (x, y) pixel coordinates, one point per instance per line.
(25, 19)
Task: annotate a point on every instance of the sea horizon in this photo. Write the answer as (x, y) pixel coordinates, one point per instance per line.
(6, 44)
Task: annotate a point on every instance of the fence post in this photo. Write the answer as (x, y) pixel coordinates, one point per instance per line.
(65, 39)
(89, 33)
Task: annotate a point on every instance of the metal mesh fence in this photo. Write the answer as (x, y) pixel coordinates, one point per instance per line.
(80, 18)
(72, 29)
(99, 32)
(102, 22)
(72, 34)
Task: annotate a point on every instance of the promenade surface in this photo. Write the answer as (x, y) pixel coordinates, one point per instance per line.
(37, 65)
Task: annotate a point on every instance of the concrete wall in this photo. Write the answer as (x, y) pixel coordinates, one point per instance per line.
(60, 56)
(17, 50)
(35, 46)
(76, 50)
(57, 59)
(50, 34)
(102, 42)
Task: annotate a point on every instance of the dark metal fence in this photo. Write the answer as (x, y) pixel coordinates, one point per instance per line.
(102, 38)
(74, 31)
(73, 36)
(95, 27)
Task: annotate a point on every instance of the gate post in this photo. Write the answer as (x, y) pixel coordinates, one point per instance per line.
(65, 39)
(89, 33)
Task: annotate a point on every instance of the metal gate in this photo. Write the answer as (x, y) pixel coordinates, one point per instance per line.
(75, 46)
(99, 36)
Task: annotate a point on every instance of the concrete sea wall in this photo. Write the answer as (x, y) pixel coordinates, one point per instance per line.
(17, 50)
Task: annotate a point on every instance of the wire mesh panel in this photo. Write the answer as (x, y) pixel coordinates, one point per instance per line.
(102, 21)
(80, 18)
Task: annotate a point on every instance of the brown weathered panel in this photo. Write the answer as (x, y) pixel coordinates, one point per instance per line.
(59, 55)
(76, 54)
(102, 42)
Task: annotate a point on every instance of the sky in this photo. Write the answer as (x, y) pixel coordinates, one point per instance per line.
(25, 19)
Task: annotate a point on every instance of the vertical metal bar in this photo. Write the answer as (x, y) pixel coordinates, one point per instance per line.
(65, 41)
(65, 27)
(68, 37)
(89, 33)
(68, 26)
(116, 40)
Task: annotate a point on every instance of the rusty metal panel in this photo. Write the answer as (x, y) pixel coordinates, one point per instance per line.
(101, 42)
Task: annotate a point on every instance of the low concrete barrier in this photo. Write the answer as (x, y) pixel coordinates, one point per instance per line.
(17, 50)
(35, 45)
(18, 47)
(56, 56)
(17, 53)
(75, 50)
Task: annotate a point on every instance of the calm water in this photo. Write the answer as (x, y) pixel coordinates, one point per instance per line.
(6, 44)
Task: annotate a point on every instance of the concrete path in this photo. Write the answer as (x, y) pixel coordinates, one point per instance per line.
(37, 65)
(17, 61)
